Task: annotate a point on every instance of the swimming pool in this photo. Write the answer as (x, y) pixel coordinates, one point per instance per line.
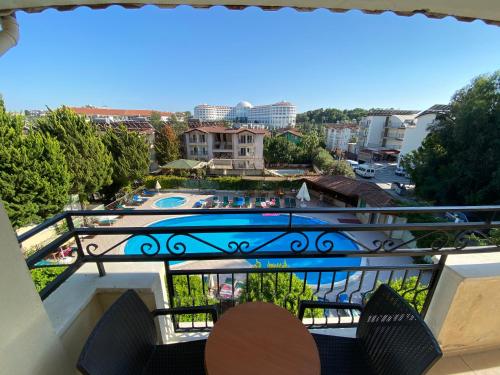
(289, 172)
(224, 240)
(170, 202)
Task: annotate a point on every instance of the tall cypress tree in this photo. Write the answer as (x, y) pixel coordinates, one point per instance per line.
(89, 161)
(130, 154)
(34, 178)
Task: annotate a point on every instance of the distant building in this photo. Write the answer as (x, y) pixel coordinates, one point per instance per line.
(338, 136)
(381, 134)
(110, 114)
(292, 135)
(418, 130)
(277, 115)
(232, 151)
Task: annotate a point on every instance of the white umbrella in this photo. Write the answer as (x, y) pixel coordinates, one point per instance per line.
(157, 186)
(303, 194)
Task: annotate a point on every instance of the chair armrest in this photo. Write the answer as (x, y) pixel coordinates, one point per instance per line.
(212, 310)
(303, 305)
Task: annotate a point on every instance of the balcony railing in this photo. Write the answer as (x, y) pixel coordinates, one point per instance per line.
(283, 285)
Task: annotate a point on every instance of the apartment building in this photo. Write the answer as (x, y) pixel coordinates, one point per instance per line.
(338, 135)
(226, 149)
(275, 116)
(418, 130)
(381, 133)
(111, 114)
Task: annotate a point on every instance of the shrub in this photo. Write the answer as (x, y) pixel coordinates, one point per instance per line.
(43, 276)
(166, 182)
(268, 288)
(415, 294)
(196, 294)
(218, 183)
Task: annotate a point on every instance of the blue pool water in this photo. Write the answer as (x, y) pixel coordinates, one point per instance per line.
(170, 202)
(224, 240)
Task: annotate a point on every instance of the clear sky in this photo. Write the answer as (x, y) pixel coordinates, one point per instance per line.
(173, 59)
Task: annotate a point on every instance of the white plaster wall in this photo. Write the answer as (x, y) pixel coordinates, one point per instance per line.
(28, 343)
(375, 130)
(464, 312)
(415, 135)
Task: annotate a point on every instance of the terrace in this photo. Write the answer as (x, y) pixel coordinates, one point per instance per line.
(177, 266)
(192, 264)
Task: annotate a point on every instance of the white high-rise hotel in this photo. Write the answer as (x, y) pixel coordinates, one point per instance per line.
(277, 115)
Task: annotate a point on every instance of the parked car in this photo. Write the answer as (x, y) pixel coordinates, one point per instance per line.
(365, 170)
(354, 164)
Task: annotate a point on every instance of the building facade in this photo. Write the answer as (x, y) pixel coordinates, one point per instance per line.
(416, 133)
(230, 149)
(110, 114)
(381, 134)
(291, 135)
(277, 115)
(338, 136)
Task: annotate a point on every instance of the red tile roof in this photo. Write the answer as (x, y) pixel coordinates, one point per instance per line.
(93, 111)
(371, 193)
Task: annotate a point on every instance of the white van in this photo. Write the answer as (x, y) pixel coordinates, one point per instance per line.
(366, 171)
(354, 164)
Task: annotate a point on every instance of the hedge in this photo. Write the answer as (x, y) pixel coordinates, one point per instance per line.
(219, 183)
(43, 276)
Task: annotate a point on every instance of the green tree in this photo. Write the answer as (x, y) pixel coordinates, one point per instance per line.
(178, 126)
(341, 168)
(279, 290)
(279, 150)
(308, 147)
(130, 154)
(166, 145)
(89, 162)
(155, 120)
(323, 159)
(34, 177)
(458, 160)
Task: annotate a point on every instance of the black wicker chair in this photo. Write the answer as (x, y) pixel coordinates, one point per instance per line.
(391, 339)
(125, 342)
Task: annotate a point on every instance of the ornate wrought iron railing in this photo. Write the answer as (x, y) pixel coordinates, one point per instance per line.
(378, 233)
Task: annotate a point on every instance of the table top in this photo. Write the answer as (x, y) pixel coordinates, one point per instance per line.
(260, 338)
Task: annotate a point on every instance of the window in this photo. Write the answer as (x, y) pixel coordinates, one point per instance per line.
(202, 138)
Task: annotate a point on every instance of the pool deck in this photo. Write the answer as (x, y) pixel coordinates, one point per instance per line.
(105, 242)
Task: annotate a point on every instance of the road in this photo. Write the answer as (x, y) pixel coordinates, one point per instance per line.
(384, 176)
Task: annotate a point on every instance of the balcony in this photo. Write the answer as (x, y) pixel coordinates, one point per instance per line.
(222, 146)
(450, 292)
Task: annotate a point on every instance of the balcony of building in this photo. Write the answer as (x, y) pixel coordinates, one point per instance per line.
(456, 290)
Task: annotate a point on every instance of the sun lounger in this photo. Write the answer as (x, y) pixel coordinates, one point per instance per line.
(225, 202)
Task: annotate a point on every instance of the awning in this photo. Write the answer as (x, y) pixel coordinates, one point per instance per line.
(464, 10)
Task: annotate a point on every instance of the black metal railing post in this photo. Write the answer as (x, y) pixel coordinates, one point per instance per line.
(170, 290)
(79, 247)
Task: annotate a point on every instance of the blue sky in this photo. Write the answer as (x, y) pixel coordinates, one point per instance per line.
(173, 59)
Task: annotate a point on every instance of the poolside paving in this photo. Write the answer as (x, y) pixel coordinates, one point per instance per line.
(367, 238)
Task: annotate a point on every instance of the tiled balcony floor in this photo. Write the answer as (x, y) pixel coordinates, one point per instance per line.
(483, 363)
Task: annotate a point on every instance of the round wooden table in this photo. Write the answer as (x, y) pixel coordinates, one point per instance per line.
(260, 338)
